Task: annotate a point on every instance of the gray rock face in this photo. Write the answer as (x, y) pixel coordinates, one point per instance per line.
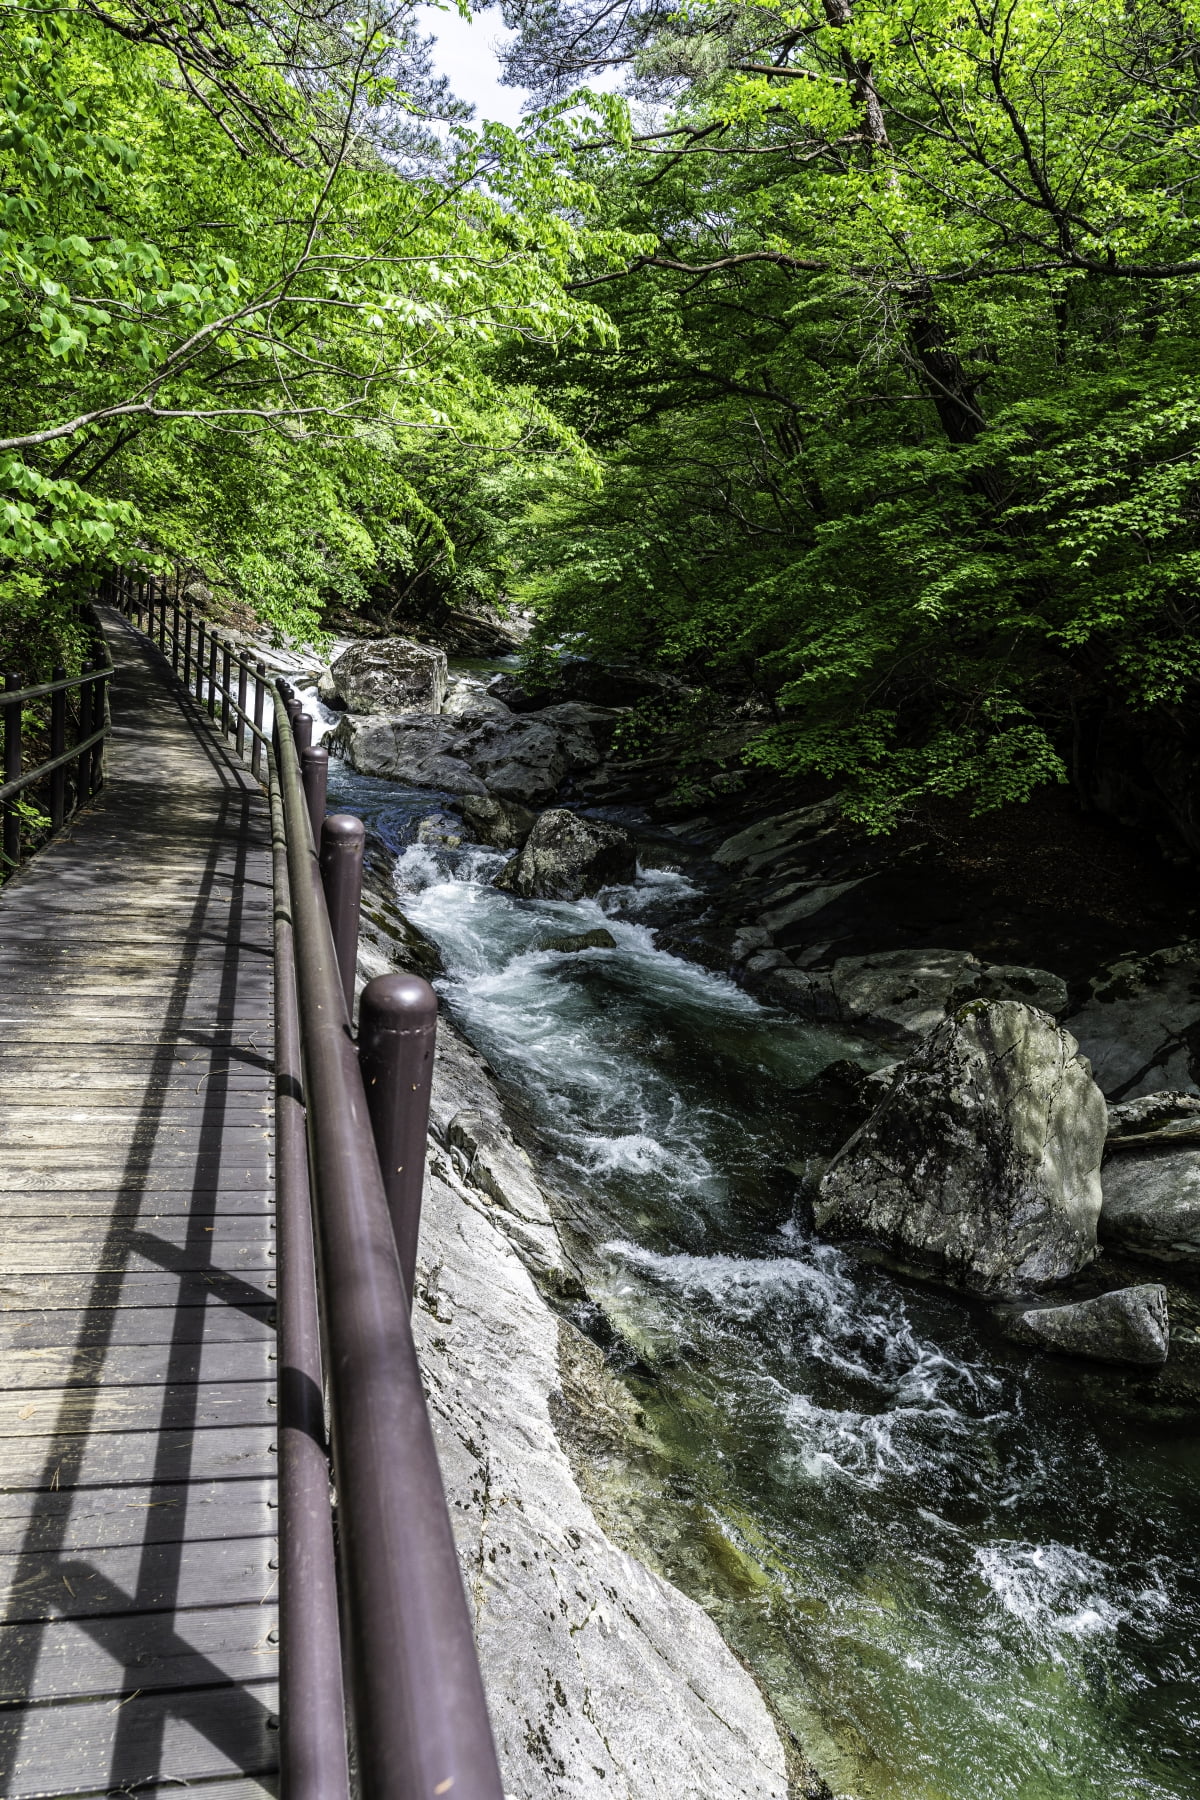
(982, 1163)
(528, 758)
(499, 1168)
(1152, 1204)
(390, 675)
(905, 993)
(1137, 1025)
(1128, 1325)
(763, 843)
(501, 823)
(566, 857)
(420, 751)
(1154, 1119)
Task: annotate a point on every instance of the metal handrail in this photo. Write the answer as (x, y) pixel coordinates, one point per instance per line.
(417, 1710)
(86, 751)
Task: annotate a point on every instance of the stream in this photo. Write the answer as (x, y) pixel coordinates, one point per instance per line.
(958, 1570)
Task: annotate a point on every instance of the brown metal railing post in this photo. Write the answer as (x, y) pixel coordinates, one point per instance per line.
(86, 726)
(12, 768)
(226, 671)
(175, 632)
(342, 841)
(241, 712)
(260, 694)
(162, 619)
(199, 662)
(301, 729)
(397, 1028)
(212, 674)
(58, 743)
(314, 773)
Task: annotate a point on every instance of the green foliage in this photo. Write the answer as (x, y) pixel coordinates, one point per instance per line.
(234, 316)
(901, 438)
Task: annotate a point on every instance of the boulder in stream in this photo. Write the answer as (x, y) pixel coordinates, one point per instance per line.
(905, 993)
(572, 941)
(503, 824)
(420, 751)
(1127, 1325)
(982, 1162)
(566, 857)
(390, 675)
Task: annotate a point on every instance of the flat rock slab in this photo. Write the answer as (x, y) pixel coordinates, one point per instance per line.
(1127, 1325)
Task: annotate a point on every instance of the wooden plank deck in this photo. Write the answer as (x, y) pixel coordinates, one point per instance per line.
(137, 1395)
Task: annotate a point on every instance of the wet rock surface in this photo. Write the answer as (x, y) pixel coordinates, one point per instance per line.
(390, 675)
(1125, 1325)
(566, 857)
(571, 941)
(1152, 1204)
(501, 824)
(982, 1163)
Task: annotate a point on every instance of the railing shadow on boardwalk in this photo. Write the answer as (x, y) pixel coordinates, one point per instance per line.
(136, 1625)
(387, 1604)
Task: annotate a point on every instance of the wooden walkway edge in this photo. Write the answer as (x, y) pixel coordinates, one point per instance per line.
(137, 1374)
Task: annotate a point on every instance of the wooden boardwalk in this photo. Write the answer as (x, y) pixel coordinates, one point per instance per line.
(137, 1389)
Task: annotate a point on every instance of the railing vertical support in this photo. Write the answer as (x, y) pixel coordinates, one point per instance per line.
(58, 744)
(342, 840)
(397, 1028)
(199, 662)
(162, 618)
(212, 674)
(226, 672)
(240, 740)
(260, 694)
(12, 768)
(86, 727)
(301, 728)
(314, 773)
(185, 673)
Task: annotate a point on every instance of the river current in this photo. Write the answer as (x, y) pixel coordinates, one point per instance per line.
(959, 1571)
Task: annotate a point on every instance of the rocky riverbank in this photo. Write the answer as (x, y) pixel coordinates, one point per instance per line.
(998, 994)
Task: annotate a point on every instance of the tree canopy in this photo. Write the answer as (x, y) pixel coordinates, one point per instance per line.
(848, 369)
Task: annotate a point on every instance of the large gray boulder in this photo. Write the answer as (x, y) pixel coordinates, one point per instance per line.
(527, 758)
(1152, 1204)
(1139, 1024)
(566, 857)
(1128, 1325)
(524, 760)
(904, 994)
(982, 1163)
(390, 675)
(420, 751)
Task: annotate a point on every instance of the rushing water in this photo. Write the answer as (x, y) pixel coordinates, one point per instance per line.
(959, 1571)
